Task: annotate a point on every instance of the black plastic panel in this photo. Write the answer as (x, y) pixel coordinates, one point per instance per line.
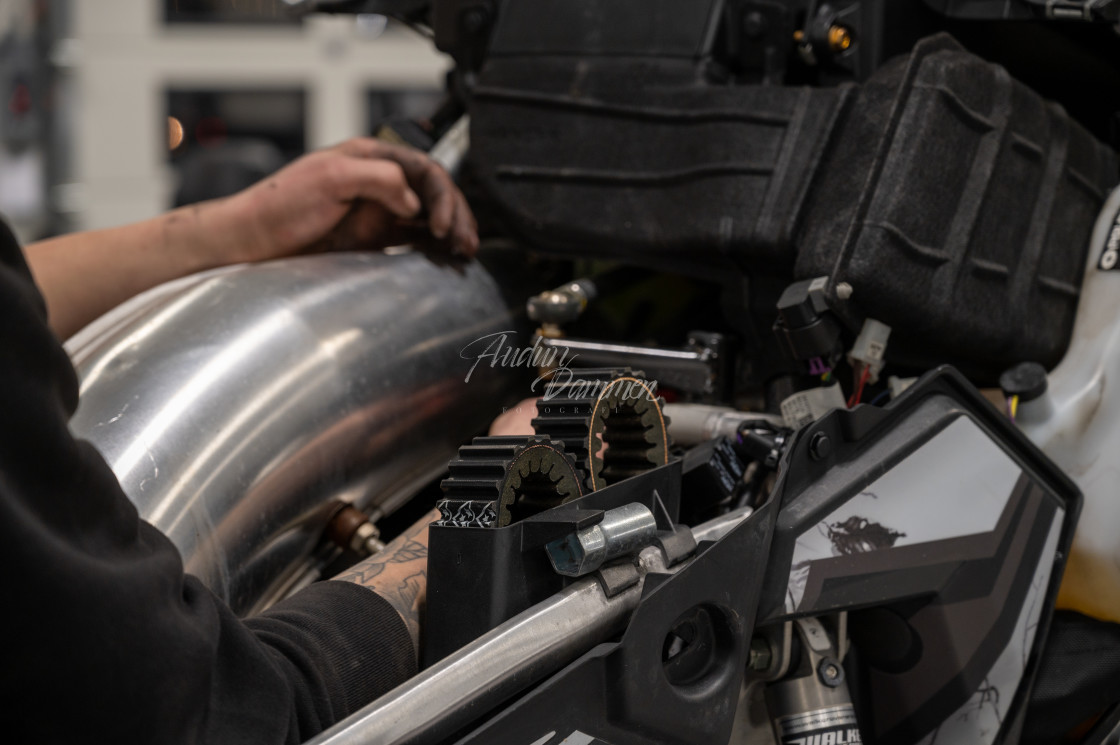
(960, 587)
(634, 160)
(961, 609)
(482, 577)
(620, 692)
(957, 202)
(975, 203)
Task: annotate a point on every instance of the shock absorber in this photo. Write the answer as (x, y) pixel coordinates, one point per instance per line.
(811, 704)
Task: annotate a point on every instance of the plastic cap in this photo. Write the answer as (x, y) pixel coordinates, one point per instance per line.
(1027, 380)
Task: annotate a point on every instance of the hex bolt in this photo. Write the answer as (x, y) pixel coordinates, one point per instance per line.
(366, 540)
(761, 655)
(622, 530)
(351, 529)
(843, 291)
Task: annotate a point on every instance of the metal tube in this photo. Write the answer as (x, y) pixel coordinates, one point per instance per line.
(718, 527)
(233, 405)
(503, 662)
(687, 369)
(626, 528)
(691, 424)
(489, 670)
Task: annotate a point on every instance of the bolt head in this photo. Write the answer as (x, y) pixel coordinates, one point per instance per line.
(820, 446)
(761, 655)
(830, 672)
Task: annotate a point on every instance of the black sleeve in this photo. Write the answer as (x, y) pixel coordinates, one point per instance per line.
(105, 638)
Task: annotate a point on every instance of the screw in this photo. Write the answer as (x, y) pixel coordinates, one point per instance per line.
(820, 447)
(843, 291)
(830, 672)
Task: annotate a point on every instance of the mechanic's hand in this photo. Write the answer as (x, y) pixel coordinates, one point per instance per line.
(516, 420)
(361, 194)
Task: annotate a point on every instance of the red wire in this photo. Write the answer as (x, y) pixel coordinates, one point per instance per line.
(858, 393)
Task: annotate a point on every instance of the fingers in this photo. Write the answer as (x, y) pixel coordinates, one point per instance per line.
(438, 192)
(380, 181)
(362, 147)
(449, 216)
(434, 185)
(464, 231)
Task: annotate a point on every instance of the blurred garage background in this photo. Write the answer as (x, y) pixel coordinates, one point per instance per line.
(114, 110)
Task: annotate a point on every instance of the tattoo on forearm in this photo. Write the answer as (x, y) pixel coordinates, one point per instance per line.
(412, 550)
(362, 573)
(399, 574)
(365, 572)
(408, 599)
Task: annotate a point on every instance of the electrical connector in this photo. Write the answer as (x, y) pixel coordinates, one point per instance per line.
(897, 386)
(806, 407)
(870, 348)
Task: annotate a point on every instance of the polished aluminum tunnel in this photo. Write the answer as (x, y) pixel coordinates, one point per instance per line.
(235, 404)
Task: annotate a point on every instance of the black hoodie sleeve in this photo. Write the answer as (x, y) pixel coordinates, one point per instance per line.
(106, 639)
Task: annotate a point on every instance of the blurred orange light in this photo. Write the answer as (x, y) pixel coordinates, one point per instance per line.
(174, 132)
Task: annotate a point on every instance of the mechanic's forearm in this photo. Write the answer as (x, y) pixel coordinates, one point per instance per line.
(84, 275)
(399, 574)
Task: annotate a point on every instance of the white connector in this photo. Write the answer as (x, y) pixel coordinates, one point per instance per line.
(870, 347)
(897, 386)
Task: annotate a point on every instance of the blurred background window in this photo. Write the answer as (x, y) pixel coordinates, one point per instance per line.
(222, 141)
(34, 150)
(384, 106)
(114, 110)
